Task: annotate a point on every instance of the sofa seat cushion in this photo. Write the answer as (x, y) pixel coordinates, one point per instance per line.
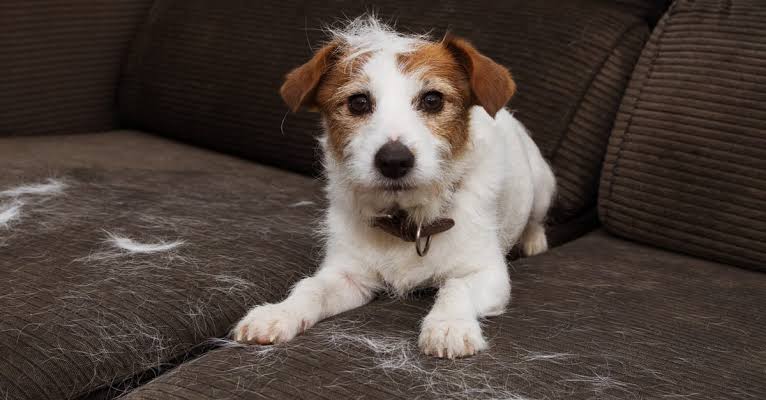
(209, 72)
(83, 306)
(596, 318)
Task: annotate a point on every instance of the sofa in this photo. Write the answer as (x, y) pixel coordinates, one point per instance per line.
(158, 124)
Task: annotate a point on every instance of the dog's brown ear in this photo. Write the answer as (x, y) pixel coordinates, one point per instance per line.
(491, 83)
(299, 89)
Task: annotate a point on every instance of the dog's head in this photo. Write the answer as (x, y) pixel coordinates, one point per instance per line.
(396, 108)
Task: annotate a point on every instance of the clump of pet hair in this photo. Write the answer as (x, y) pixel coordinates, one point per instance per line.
(132, 246)
(51, 187)
(10, 212)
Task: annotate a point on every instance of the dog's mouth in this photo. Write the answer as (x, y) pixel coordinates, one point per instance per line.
(396, 187)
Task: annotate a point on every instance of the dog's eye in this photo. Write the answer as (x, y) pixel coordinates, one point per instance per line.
(432, 102)
(359, 104)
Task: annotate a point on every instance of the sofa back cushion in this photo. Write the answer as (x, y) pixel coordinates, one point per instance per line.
(209, 72)
(60, 61)
(686, 165)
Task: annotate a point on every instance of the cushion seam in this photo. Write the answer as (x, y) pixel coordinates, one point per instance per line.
(591, 80)
(635, 107)
(598, 71)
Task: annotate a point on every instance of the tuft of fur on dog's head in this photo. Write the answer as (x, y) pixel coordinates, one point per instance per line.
(395, 109)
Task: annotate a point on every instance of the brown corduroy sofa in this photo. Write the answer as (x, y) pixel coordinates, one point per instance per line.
(160, 121)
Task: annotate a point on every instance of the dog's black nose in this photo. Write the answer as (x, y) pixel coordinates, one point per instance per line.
(394, 160)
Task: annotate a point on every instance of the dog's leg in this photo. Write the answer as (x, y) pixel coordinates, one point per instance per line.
(452, 327)
(334, 289)
(533, 240)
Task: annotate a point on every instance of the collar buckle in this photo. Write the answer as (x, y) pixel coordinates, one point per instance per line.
(422, 251)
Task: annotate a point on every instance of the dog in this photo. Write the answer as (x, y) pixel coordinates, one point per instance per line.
(430, 182)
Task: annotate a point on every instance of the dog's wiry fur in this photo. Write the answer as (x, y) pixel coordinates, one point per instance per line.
(475, 163)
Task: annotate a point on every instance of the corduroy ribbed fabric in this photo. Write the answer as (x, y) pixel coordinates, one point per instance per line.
(79, 317)
(597, 318)
(60, 62)
(209, 72)
(686, 164)
(78, 313)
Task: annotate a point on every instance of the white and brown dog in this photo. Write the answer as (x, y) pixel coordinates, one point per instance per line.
(430, 183)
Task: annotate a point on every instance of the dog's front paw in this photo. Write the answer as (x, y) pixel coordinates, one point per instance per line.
(269, 323)
(451, 338)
